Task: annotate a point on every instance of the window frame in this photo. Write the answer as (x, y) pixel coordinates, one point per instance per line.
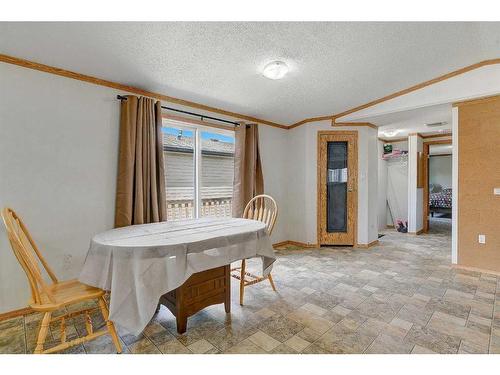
(197, 154)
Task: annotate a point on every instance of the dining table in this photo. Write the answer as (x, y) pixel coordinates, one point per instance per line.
(143, 265)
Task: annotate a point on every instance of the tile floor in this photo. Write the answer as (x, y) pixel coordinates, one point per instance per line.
(400, 297)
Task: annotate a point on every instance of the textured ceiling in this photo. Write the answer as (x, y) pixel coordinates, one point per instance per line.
(334, 66)
(414, 121)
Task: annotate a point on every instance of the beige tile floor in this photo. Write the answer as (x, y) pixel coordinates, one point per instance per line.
(402, 296)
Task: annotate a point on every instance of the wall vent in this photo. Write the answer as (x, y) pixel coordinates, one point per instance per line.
(434, 124)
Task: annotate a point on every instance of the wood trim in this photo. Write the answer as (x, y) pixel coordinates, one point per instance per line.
(402, 92)
(389, 226)
(393, 140)
(437, 155)
(369, 124)
(475, 269)
(130, 89)
(196, 122)
(476, 101)
(367, 245)
(424, 136)
(425, 171)
(420, 170)
(279, 244)
(425, 199)
(332, 119)
(311, 119)
(134, 90)
(447, 134)
(417, 232)
(420, 86)
(308, 245)
(417, 134)
(354, 182)
(438, 142)
(15, 313)
(295, 243)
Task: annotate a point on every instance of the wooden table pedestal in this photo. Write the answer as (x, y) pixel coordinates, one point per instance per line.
(202, 289)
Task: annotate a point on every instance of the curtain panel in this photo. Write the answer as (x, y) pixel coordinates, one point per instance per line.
(248, 179)
(140, 189)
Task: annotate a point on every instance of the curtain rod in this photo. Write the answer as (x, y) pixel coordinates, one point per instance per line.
(120, 97)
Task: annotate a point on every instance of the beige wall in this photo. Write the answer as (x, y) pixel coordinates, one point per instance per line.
(478, 175)
(440, 170)
(301, 189)
(58, 165)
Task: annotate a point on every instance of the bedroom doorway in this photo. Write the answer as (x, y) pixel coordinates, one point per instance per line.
(437, 198)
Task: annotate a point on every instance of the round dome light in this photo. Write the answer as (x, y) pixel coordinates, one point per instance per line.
(391, 132)
(275, 70)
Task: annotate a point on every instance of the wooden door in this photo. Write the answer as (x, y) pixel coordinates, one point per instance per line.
(337, 187)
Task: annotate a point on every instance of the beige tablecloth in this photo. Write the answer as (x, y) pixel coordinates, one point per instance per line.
(140, 263)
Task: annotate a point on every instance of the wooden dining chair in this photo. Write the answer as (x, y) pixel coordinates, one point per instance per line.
(262, 208)
(47, 297)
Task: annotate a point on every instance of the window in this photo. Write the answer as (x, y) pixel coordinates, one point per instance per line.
(199, 167)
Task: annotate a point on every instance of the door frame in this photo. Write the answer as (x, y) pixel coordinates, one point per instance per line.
(425, 171)
(355, 183)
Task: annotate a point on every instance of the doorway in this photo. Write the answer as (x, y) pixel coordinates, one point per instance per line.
(337, 187)
(437, 171)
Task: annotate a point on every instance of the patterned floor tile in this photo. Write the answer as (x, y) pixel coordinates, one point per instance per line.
(402, 296)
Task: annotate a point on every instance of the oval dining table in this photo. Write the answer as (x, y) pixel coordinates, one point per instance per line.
(140, 264)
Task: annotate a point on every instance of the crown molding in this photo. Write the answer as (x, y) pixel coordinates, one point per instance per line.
(405, 91)
(369, 124)
(420, 86)
(437, 135)
(394, 140)
(134, 90)
(476, 101)
(311, 119)
(130, 89)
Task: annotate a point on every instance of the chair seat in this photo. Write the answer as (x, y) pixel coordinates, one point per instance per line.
(67, 292)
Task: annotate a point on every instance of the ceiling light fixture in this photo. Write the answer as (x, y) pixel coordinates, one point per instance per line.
(391, 132)
(275, 70)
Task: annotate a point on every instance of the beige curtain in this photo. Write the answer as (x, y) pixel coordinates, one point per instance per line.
(248, 179)
(140, 191)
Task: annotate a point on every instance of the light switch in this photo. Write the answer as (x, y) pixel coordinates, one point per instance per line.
(496, 191)
(482, 238)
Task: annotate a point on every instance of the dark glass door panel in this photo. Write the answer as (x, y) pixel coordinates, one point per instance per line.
(336, 187)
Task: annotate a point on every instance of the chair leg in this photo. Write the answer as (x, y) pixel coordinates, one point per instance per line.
(242, 281)
(272, 282)
(42, 334)
(109, 324)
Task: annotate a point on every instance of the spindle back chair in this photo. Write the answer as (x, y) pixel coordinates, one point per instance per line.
(53, 295)
(265, 209)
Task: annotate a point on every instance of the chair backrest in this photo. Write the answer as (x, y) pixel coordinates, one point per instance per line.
(262, 208)
(28, 255)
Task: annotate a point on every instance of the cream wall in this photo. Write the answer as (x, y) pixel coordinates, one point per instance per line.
(273, 148)
(415, 194)
(58, 165)
(382, 188)
(440, 170)
(58, 159)
(302, 178)
(476, 83)
(393, 177)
